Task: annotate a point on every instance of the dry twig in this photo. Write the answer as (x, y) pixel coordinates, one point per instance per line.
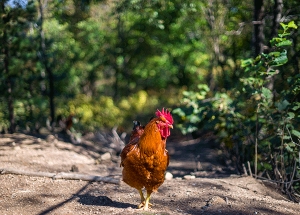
(249, 168)
(244, 168)
(61, 175)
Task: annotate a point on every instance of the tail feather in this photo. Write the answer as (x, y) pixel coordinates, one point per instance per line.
(137, 131)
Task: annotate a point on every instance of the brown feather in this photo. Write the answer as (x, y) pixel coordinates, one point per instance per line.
(145, 158)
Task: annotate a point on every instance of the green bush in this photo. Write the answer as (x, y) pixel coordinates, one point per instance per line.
(259, 120)
(92, 114)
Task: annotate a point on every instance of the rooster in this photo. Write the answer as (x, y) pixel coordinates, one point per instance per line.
(145, 158)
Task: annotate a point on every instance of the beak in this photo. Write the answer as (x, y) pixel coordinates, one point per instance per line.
(171, 126)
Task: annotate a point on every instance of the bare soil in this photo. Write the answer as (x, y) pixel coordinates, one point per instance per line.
(214, 190)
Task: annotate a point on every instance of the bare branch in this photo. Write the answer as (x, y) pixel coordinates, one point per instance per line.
(61, 175)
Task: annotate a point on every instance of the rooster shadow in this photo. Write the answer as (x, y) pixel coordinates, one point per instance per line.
(87, 199)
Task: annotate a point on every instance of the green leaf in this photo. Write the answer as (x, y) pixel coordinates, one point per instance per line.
(179, 112)
(275, 54)
(283, 35)
(292, 144)
(247, 62)
(282, 105)
(288, 148)
(186, 93)
(292, 24)
(284, 26)
(276, 40)
(267, 93)
(203, 87)
(282, 59)
(267, 166)
(296, 133)
(194, 119)
(296, 107)
(291, 115)
(284, 43)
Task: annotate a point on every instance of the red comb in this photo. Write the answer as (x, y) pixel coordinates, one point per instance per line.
(165, 113)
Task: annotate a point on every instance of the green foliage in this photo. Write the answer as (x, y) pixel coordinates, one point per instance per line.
(94, 113)
(259, 111)
(4, 123)
(62, 52)
(17, 67)
(139, 54)
(98, 113)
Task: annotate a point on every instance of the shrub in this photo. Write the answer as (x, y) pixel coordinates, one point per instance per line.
(259, 120)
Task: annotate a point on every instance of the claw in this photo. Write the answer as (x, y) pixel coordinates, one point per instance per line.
(142, 205)
(145, 203)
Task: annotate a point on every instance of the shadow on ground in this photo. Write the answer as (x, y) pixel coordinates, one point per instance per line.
(200, 157)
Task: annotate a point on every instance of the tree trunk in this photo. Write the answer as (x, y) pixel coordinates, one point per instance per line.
(210, 18)
(44, 60)
(10, 102)
(9, 82)
(278, 6)
(258, 37)
(119, 68)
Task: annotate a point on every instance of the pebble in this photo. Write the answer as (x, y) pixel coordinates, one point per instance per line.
(106, 156)
(168, 176)
(17, 148)
(51, 138)
(189, 177)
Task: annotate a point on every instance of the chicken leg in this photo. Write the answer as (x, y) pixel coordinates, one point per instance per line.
(145, 203)
(142, 198)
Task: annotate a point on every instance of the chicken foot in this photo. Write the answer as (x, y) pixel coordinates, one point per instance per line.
(145, 203)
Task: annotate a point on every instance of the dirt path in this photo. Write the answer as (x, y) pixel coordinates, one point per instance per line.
(226, 194)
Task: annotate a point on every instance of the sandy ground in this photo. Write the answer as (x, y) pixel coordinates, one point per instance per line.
(213, 191)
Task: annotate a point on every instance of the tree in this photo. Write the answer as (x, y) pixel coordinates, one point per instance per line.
(259, 22)
(15, 22)
(44, 59)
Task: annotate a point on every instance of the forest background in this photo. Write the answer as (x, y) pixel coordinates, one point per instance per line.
(222, 66)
